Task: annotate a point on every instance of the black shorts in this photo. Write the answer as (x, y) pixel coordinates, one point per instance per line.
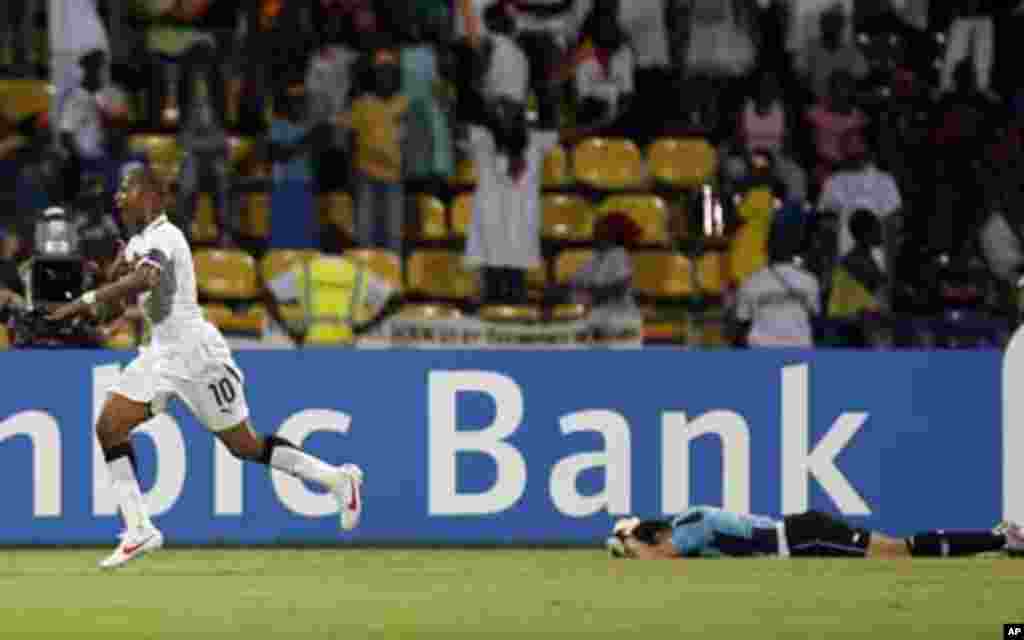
(819, 535)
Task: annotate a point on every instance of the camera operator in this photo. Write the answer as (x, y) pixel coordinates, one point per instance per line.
(57, 272)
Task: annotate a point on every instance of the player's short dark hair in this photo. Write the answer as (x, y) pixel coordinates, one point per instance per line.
(148, 179)
(648, 531)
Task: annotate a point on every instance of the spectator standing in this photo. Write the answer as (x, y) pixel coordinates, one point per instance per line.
(544, 27)
(833, 119)
(605, 282)
(329, 84)
(859, 283)
(290, 151)
(777, 305)
(605, 84)
(861, 185)
(971, 37)
(83, 121)
(427, 154)
(833, 51)
(504, 235)
(204, 168)
(378, 120)
(764, 128)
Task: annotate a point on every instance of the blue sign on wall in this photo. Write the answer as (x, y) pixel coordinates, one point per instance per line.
(513, 447)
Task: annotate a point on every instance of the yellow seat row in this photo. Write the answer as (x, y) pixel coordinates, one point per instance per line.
(617, 164)
(564, 217)
(234, 276)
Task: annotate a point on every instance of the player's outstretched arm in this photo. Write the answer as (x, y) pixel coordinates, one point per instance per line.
(143, 279)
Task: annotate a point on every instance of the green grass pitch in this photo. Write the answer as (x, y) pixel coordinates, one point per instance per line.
(386, 593)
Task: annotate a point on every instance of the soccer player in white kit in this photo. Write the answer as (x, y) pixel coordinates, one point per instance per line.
(188, 358)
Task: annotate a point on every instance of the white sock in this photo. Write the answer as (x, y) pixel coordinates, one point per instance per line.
(300, 464)
(129, 493)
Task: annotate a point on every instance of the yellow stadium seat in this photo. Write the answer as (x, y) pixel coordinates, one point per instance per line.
(240, 150)
(381, 262)
(568, 312)
(23, 98)
(225, 274)
(159, 149)
(277, 261)
(338, 210)
(682, 162)
(537, 277)
(204, 225)
(649, 212)
(440, 274)
(429, 312)
(250, 320)
(658, 274)
(124, 339)
(711, 273)
(569, 262)
(566, 218)
(5, 338)
(256, 215)
(556, 172)
(465, 174)
(433, 225)
(462, 214)
(510, 313)
(609, 164)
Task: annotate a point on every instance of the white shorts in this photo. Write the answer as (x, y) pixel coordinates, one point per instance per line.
(203, 376)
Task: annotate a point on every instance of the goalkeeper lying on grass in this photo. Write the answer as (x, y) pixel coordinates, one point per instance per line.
(709, 532)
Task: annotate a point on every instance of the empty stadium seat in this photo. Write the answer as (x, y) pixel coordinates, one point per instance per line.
(711, 273)
(465, 175)
(569, 262)
(510, 313)
(385, 264)
(240, 150)
(256, 215)
(659, 274)
(556, 173)
(682, 162)
(436, 273)
(159, 149)
(432, 223)
(462, 214)
(568, 312)
(204, 228)
(609, 164)
(537, 278)
(429, 311)
(123, 339)
(5, 338)
(648, 211)
(338, 210)
(225, 274)
(277, 261)
(566, 218)
(23, 98)
(250, 320)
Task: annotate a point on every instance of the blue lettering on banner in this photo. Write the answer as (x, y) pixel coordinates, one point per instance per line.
(468, 447)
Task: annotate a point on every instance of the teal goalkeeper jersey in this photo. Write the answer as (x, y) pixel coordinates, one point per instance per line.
(710, 532)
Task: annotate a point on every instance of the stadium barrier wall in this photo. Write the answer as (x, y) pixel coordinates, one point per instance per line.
(477, 447)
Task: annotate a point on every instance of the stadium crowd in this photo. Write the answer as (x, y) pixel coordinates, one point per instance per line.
(785, 172)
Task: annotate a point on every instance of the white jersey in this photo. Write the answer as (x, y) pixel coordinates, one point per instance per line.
(778, 301)
(172, 307)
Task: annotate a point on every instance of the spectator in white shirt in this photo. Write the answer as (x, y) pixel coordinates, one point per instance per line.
(777, 305)
(860, 186)
(83, 116)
